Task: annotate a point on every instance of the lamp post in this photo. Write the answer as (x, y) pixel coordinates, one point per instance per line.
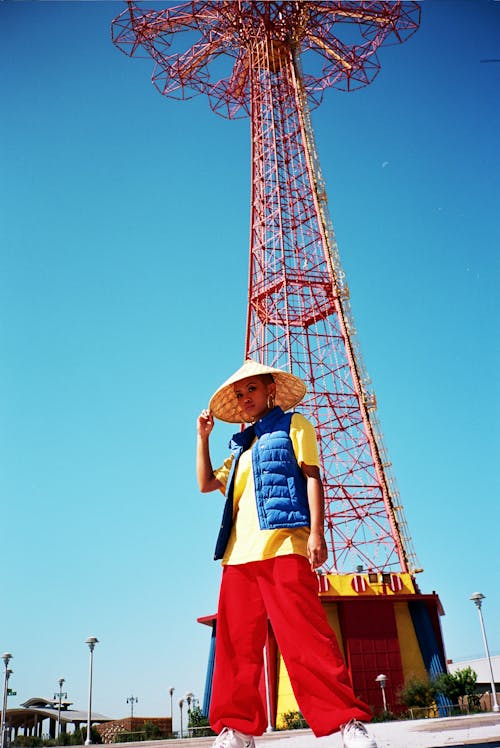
(171, 692)
(6, 657)
(60, 694)
(181, 704)
(132, 700)
(91, 641)
(477, 598)
(382, 679)
(8, 673)
(189, 698)
(269, 727)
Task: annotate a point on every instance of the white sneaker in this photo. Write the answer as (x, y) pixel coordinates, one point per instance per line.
(229, 738)
(355, 735)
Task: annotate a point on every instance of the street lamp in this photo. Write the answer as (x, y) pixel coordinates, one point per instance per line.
(189, 698)
(91, 641)
(269, 727)
(477, 598)
(382, 679)
(6, 657)
(181, 704)
(132, 700)
(60, 695)
(171, 692)
(8, 673)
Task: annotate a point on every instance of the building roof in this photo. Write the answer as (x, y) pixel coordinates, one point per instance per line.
(41, 701)
(480, 666)
(39, 708)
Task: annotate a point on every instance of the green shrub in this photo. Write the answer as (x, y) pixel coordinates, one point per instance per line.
(28, 741)
(151, 730)
(292, 721)
(418, 692)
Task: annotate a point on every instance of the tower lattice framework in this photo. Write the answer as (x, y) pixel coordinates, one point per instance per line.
(283, 56)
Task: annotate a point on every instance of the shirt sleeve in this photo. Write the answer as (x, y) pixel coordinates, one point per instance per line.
(305, 444)
(222, 473)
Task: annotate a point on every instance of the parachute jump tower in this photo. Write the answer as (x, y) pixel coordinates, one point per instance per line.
(272, 61)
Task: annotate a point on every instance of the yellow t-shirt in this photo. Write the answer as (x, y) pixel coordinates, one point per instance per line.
(247, 541)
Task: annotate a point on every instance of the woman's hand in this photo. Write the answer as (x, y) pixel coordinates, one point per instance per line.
(205, 424)
(317, 552)
(204, 471)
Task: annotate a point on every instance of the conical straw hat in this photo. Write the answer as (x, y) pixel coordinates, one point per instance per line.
(290, 390)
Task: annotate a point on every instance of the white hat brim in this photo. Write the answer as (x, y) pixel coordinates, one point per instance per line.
(290, 390)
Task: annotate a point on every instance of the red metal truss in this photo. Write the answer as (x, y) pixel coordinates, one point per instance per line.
(298, 304)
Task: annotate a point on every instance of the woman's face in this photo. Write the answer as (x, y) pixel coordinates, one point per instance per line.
(252, 395)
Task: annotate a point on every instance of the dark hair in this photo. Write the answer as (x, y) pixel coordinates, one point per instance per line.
(267, 378)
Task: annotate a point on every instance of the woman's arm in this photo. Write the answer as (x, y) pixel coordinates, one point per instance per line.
(317, 552)
(204, 471)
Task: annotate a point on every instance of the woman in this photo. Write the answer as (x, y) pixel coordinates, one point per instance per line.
(271, 540)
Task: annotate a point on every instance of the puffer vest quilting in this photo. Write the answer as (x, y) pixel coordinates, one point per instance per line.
(280, 486)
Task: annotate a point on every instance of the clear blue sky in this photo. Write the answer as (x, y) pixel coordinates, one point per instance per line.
(124, 255)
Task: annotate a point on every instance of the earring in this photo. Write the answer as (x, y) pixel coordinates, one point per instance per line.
(270, 402)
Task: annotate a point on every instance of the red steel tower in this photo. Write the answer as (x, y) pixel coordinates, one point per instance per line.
(282, 56)
(298, 305)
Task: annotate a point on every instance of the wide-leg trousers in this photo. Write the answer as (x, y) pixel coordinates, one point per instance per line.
(283, 589)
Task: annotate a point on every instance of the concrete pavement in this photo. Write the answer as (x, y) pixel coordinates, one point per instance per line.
(472, 730)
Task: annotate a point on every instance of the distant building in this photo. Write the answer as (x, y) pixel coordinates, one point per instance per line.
(39, 716)
(481, 667)
(108, 730)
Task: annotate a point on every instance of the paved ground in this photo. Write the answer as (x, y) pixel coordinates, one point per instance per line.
(478, 730)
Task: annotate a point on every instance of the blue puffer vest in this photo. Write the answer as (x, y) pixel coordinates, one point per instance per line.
(280, 486)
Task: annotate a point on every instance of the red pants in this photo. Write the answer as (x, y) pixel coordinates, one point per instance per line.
(285, 590)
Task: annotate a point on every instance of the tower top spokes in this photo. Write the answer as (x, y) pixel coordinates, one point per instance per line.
(338, 42)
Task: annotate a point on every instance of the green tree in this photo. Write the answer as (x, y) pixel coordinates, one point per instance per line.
(418, 692)
(95, 736)
(459, 685)
(199, 723)
(63, 739)
(151, 730)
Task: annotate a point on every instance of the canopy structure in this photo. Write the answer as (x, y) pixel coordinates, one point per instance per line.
(30, 718)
